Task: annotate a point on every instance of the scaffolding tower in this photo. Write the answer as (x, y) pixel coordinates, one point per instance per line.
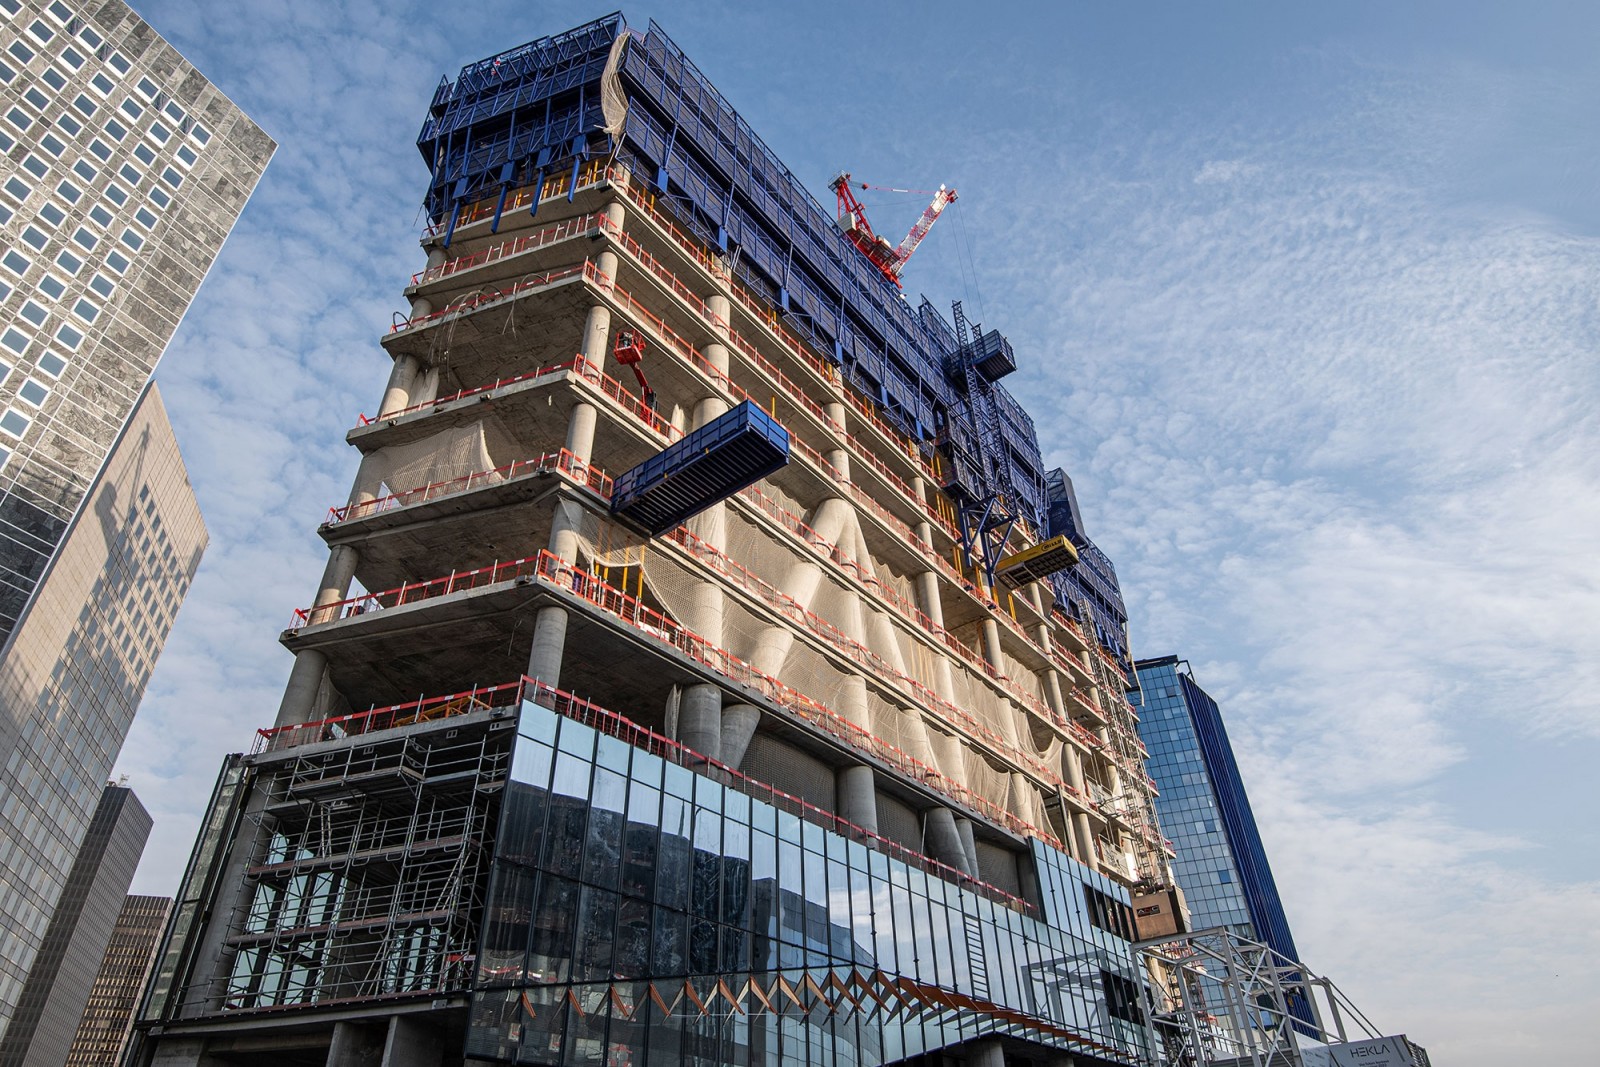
(367, 865)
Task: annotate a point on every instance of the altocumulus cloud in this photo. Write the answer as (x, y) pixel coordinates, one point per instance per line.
(1341, 440)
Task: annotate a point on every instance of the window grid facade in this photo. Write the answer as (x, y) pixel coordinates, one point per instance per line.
(127, 170)
(1221, 864)
(103, 1030)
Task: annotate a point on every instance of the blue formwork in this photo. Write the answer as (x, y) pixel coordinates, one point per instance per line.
(535, 110)
(711, 464)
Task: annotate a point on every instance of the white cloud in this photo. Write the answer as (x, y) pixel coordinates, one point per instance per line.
(1224, 171)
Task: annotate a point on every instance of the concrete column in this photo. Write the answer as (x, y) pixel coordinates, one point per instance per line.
(402, 376)
(991, 644)
(597, 335)
(969, 844)
(336, 579)
(355, 1045)
(365, 488)
(700, 720)
(1022, 788)
(565, 522)
(1052, 692)
(853, 703)
(616, 214)
(1082, 832)
(413, 1042)
(425, 388)
(421, 307)
(739, 722)
(305, 681)
(838, 457)
(1113, 773)
(721, 311)
(707, 602)
(858, 797)
(606, 264)
(928, 599)
(549, 643)
(985, 1054)
(436, 256)
(799, 582)
(580, 431)
(943, 842)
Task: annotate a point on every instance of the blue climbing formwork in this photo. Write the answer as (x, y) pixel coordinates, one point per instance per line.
(711, 464)
(542, 108)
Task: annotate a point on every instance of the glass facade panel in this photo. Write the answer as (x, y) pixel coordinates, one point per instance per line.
(642, 912)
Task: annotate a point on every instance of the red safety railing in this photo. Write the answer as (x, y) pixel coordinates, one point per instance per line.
(366, 420)
(473, 301)
(415, 592)
(620, 605)
(564, 462)
(596, 591)
(613, 724)
(562, 231)
(426, 709)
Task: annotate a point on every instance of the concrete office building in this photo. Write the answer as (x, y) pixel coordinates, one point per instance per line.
(124, 170)
(52, 1000)
(108, 1016)
(76, 669)
(1221, 864)
(755, 727)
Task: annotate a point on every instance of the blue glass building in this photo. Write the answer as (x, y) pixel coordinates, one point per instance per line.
(1203, 809)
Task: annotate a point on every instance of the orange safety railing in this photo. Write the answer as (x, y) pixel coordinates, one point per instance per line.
(614, 724)
(549, 235)
(551, 462)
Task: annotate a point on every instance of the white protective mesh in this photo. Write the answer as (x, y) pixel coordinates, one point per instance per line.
(613, 101)
(451, 453)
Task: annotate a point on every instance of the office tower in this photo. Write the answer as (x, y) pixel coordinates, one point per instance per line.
(1221, 865)
(58, 985)
(107, 1017)
(76, 669)
(124, 171)
(685, 681)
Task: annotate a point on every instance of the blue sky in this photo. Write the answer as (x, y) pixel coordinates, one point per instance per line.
(1304, 297)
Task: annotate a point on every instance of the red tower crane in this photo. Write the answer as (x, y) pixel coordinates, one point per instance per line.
(889, 260)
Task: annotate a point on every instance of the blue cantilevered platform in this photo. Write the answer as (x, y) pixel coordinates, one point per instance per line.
(710, 464)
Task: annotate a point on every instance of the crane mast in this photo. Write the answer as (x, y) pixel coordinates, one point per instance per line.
(889, 259)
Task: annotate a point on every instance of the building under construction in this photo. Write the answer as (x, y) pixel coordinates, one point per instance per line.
(701, 672)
